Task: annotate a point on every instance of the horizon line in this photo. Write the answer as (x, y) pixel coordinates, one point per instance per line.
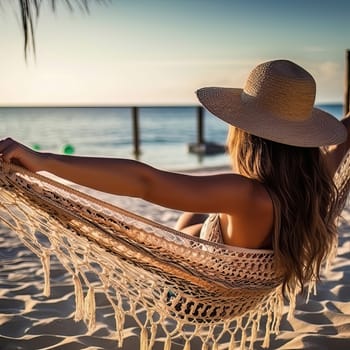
(126, 105)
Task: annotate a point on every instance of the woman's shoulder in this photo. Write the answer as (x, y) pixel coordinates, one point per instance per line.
(249, 192)
(250, 224)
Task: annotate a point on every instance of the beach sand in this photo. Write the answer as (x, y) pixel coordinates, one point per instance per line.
(31, 321)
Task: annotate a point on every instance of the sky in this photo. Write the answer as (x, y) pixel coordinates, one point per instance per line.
(158, 52)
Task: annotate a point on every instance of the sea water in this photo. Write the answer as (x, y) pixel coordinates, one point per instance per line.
(165, 132)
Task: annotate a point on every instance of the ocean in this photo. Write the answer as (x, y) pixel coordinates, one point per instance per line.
(165, 132)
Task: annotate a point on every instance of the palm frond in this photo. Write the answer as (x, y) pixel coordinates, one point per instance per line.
(29, 11)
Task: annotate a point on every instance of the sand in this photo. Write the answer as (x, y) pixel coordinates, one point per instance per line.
(28, 320)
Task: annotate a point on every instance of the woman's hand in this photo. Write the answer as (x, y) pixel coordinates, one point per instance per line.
(335, 154)
(14, 152)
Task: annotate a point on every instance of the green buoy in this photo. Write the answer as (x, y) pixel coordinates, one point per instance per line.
(36, 147)
(68, 149)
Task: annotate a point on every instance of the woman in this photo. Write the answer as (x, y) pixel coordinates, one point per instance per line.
(282, 195)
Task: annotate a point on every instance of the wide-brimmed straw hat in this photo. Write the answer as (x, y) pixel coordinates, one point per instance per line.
(276, 103)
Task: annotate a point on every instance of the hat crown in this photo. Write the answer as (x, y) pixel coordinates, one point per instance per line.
(282, 88)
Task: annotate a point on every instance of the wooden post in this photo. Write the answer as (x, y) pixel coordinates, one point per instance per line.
(347, 83)
(136, 131)
(200, 125)
(201, 147)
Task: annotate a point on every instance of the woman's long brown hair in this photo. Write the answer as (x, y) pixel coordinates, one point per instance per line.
(303, 195)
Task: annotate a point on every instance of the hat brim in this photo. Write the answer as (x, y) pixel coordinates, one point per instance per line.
(321, 129)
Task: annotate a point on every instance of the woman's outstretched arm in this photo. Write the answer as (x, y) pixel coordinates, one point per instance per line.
(225, 193)
(335, 154)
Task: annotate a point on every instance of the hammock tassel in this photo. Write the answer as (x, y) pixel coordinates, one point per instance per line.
(79, 299)
(119, 326)
(292, 303)
(266, 342)
(153, 335)
(312, 289)
(144, 339)
(243, 339)
(167, 343)
(187, 345)
(205, 346)
(45, 261)
(254, 334)
(232, 345)
(90, 309)
(215, 346)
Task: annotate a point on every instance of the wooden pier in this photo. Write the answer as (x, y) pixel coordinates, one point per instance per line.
(200, 147)
(203, 147)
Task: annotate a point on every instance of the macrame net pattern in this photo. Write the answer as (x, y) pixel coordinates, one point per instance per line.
(342, 182)
(175, 287)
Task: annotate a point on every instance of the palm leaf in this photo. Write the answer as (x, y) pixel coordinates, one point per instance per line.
(29, 11)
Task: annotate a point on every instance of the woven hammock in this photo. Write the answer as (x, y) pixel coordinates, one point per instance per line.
(176, 287)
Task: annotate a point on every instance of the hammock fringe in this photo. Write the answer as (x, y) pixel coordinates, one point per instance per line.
(45, 262)
(79, 299)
